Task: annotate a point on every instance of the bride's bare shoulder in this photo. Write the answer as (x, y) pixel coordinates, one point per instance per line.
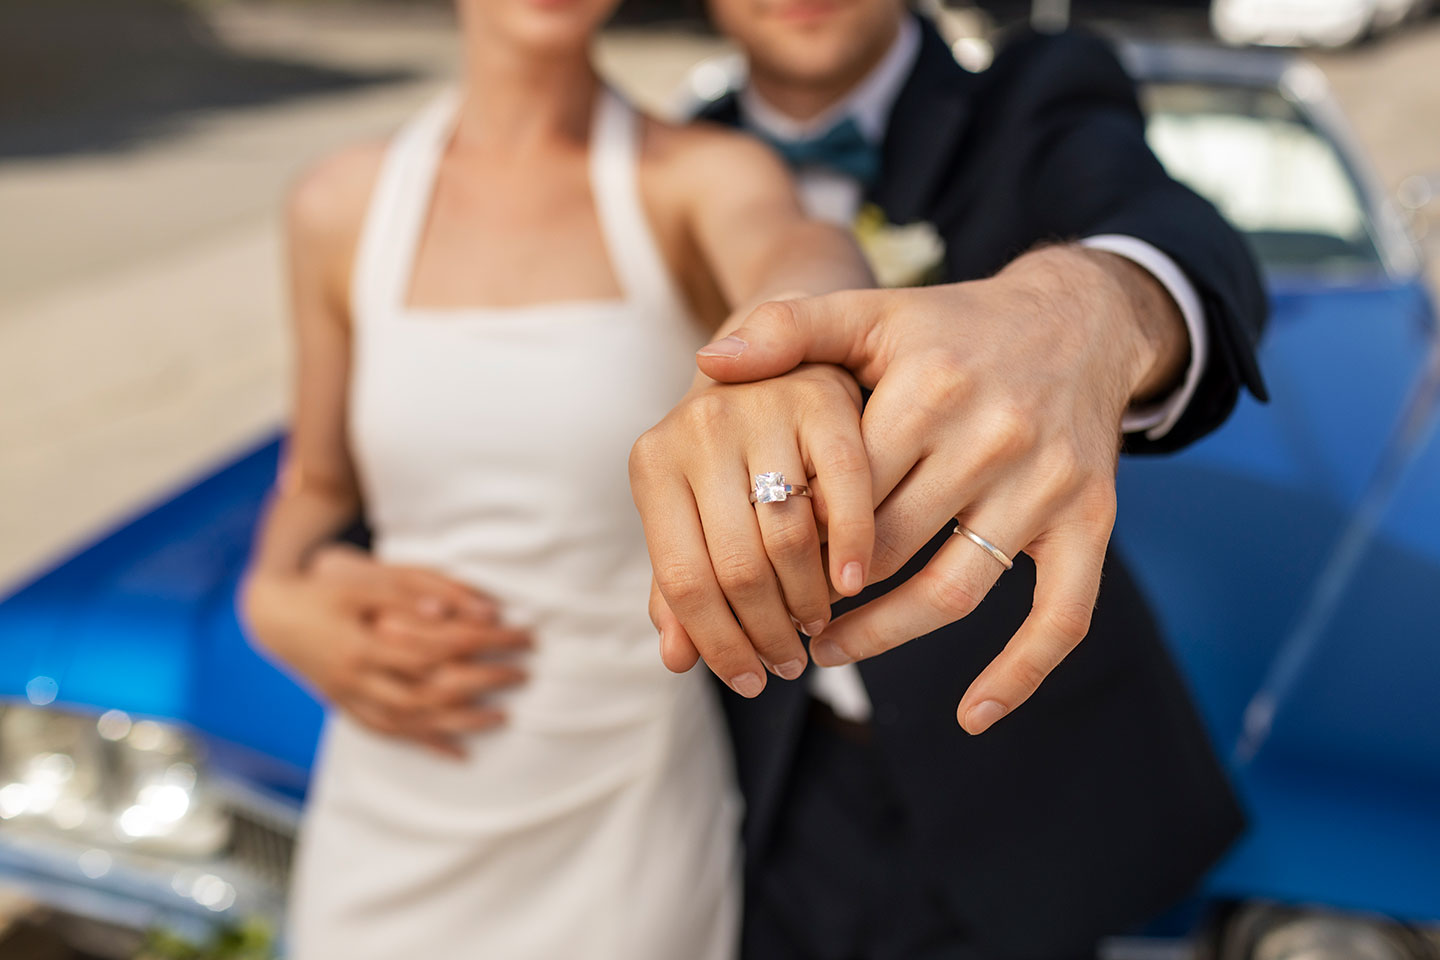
(327, 202)
(710, 151)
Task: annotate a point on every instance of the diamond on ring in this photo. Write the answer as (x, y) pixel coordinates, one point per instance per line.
(770, 488)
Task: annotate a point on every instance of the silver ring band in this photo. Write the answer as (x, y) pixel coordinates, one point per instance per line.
(772, 488)
(985, 545)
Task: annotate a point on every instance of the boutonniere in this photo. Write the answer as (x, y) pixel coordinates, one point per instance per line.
(911, 255)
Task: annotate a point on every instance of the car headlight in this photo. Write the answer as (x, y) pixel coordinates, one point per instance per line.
(109, 781)
(1263, 931)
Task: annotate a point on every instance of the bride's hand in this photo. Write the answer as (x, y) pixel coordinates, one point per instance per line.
(402, 650)
(714, 553)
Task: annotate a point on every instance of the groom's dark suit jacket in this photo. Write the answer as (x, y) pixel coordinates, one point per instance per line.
(1099, 801)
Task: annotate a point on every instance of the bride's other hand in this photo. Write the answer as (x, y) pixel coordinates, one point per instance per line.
(407, 652)
(733, 579)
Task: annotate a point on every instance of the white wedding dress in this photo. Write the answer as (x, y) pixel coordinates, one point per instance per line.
(601, 823)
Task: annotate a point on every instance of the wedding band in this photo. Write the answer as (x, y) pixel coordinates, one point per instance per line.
(772, 488)
(985, 545)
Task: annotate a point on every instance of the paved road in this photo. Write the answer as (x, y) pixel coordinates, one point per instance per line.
(141, 331)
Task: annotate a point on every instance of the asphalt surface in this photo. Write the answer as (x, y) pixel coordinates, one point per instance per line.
(142, 337)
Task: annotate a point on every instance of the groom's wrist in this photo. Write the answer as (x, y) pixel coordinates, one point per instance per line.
(1124, 306)
(1150, 314)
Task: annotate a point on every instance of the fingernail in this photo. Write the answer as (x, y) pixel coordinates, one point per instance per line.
(982, 716)
(852, 578)
(748, 684)
(827, 653)
(813, 629)
(729, 347)
(790, 669)
(662, 642)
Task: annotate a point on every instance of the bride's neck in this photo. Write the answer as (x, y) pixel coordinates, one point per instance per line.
(515, 99)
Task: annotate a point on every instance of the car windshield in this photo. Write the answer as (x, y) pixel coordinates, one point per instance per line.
(1273, 175)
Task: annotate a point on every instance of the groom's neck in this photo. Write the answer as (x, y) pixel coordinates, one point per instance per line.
(802, 97)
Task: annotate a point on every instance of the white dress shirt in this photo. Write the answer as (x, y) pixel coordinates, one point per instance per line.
(835, 197)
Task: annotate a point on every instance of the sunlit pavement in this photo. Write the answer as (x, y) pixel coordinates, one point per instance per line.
(141, 304)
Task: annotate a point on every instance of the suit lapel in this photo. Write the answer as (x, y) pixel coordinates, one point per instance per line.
(926, 122)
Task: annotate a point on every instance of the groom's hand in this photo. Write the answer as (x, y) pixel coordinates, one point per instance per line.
(998, 401)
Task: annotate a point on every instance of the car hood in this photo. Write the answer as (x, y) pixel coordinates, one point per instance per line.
(144, 621)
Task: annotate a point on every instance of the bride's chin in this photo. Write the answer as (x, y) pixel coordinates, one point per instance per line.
(547, 25)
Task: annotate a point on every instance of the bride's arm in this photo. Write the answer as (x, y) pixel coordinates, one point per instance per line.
(748, 225)
(390, 645)
(712, 552)
(316, 494)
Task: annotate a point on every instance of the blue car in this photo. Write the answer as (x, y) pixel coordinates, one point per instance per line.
(152, 765)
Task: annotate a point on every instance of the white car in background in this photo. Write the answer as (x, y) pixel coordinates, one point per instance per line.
(1307, 23)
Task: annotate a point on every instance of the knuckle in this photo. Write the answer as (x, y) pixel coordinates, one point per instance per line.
(1069, 620)
(707, 413)
(727, 651)
(776, 643)
(389, 629)
(866, 641)
(1028, 672)
(776, 314)
(939, 380)
(1062, 472)
(888, 554)
(683, 585)
(647, 453)
(1012, 432)
(792, 538)
(847, 458)
(742, 573)
(951, 594)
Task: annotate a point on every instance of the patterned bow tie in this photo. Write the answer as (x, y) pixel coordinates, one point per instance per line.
(842, 148)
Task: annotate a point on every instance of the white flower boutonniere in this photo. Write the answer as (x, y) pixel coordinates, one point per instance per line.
(900, 256)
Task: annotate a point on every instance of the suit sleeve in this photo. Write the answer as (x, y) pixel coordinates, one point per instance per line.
(1085, 169)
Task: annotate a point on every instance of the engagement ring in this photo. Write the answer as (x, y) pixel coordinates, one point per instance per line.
(772, 488)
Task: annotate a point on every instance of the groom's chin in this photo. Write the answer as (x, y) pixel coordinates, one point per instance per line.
(809, 41)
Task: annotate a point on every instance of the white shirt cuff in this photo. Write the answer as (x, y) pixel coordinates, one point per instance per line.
(1156, 418)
